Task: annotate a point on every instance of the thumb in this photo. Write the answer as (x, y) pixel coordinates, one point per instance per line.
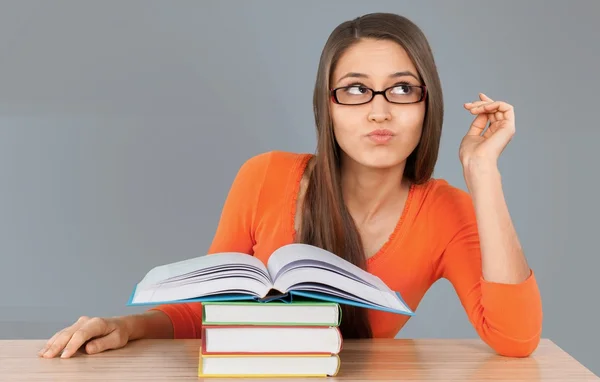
(478, 124)
(113, 340)
(500, 139)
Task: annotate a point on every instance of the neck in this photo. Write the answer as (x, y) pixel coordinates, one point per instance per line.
(368, 191)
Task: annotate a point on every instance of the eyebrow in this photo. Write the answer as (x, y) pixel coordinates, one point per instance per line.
(394, 75)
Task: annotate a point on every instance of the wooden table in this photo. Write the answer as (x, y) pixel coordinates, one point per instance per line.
(407, 360)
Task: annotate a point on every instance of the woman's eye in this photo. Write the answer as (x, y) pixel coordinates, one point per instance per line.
(401, 89)
(356, 90)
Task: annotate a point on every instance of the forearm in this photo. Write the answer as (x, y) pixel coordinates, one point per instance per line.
(503, 260)
(151, 324)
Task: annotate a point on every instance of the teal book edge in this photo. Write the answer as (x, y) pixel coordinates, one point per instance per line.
(286, 298)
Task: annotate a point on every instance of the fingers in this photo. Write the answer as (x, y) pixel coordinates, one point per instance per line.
(475, 108)
(76, 341)
(57, 342)
(114, 340)
(92, 328)
(497, 116)
(496, 106)
(484, 102)
(478, 125)
(50, 342)
(488, 133)
(70, 339)
(485, 98)
(492, 116)
(96, 334)
(471, 105)
(497, 110)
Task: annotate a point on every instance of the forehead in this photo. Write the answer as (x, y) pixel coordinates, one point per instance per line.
(375, 58)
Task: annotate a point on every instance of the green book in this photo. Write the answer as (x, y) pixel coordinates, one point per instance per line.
(274, 313)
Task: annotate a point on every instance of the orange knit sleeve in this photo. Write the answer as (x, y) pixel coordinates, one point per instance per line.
(508, 317)
(234, 233)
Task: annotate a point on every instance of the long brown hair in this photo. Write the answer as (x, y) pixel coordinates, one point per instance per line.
(326, 222)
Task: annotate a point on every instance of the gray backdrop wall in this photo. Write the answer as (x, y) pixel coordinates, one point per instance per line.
(122, 125)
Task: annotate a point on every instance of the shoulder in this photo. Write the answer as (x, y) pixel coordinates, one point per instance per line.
(446, 206)
(271, 172)
(274, 161)
(267, 185)
(440, 191)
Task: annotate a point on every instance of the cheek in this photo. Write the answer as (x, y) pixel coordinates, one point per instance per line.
(409, 123)
(345, 121)
(342, 117)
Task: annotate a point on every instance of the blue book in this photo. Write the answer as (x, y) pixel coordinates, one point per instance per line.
(296, 270)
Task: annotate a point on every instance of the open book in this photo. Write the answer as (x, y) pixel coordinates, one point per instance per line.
(292, 270)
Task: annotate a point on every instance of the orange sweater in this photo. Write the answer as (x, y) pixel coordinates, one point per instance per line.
(435, 238)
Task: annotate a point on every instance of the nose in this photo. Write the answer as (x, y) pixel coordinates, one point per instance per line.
(379, 109)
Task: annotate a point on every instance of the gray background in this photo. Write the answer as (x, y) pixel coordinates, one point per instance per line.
(114, 116)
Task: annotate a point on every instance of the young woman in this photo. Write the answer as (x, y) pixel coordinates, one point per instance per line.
(368, 195)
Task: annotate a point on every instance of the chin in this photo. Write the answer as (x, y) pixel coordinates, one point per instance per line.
(379, 159)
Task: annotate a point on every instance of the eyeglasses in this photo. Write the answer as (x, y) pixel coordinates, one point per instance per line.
(359, 94)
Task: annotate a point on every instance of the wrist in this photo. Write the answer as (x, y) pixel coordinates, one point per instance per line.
(133, 326)
(137, 326)
(480, 173)
(150, 324)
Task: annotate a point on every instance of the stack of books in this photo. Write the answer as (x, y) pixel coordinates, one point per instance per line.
(275, 319)
(274, 339)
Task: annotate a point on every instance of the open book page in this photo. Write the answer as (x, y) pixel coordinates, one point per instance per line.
(293, 255)
(202, 276)
(204, 264)
(307, 268)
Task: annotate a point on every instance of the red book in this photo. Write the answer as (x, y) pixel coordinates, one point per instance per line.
(264, 340)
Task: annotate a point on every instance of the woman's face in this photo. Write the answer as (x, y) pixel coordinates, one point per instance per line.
(377, 134)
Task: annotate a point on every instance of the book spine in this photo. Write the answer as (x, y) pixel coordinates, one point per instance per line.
(204, 352)
(341, 339)
(204, 375)
(266, 324)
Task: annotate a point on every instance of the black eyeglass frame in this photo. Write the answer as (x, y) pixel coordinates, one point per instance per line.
(335, 99)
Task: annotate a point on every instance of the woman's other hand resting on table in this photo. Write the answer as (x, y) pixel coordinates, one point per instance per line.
(95, 335)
